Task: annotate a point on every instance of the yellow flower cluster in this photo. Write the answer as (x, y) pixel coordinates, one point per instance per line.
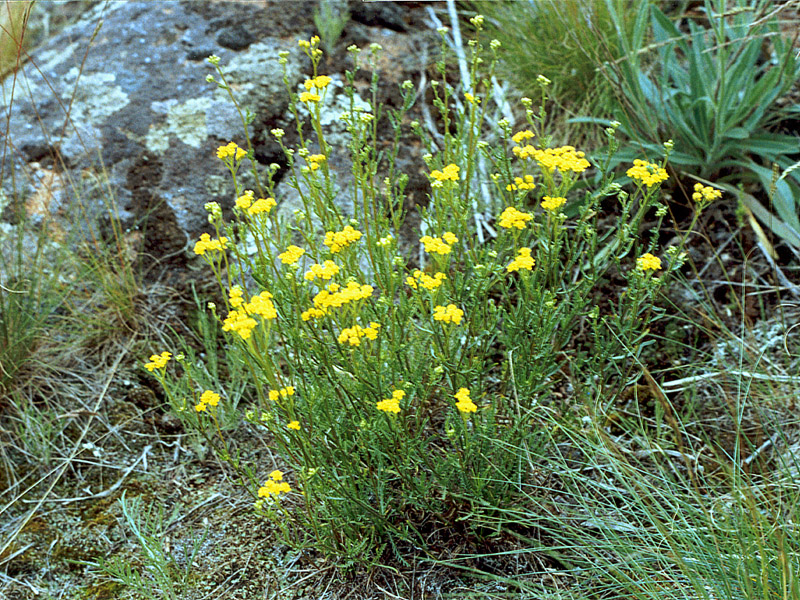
(439, 245)
(565, 158)
(391, 405)
(294, 425)
(309, 97)
(274, 486)
(324, 271)
(448, 314)
(524, 152)
(471, 99)
(244, 201)
(524, 260)
(511, 217)
(648, 173)
(158, 361)
(449, 173)
(520, 183)
(336, 240)
(240, 320)
(314, 161)
(262, 205)
(292, 255)
(335, 296)
(521, 136)
(319, 82)
(425, 280)
(352, 335)
(648, 262)
(464, 403)
(231, 150)
(554, 203)
(705, 193)
(206, 244)
(281, 393)
(208, 398)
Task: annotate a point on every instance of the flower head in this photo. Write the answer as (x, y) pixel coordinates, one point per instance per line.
(158, 361)
(704, 194)
(648, 173)
(207, 398)
(523, 261)
(513, 218)
(448, 314)
(292, 255)
(648, 262)
(206, 244)
(463, 402)
(553, 204)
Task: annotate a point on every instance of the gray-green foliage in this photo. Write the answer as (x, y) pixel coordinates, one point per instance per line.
(712, 85)
(330, 19)
(162, 575)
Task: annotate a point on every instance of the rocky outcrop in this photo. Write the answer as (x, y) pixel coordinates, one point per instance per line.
(116, 107)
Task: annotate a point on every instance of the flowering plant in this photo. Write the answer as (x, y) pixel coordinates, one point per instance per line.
(403, 395)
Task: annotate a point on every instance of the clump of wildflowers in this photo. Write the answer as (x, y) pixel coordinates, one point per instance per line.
(335, 296)
(336, 240)
(391, 405)
(206, 244)
(207, 398)
(158, 361)
(523, 261)
(262, 205)
(511, 217)
(293, 425)
(464, 403)
(448, 314)
(648, 173)
(439, 245)
(648, 262)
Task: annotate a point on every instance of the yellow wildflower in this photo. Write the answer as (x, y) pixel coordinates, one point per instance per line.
(352, 335)
(206, 244)
(464, 403)
(231, 150)
(245, 200)
(648, 173)
(438, 245)
(309, 97)
(336, 240)
(511, 217)
(522, 261)
(275, 485)
(292, 255)
(521, 136)
(448, 314)
(471, 99)
(425, 280)
(553, 204)
(449, 173)
(564, 158)
(158, 361)
(705, 193)
(295, 425)
(319, 82)
(521, 183)
(324, 271)
(208, 398)
(262, 205)
(648, 262)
